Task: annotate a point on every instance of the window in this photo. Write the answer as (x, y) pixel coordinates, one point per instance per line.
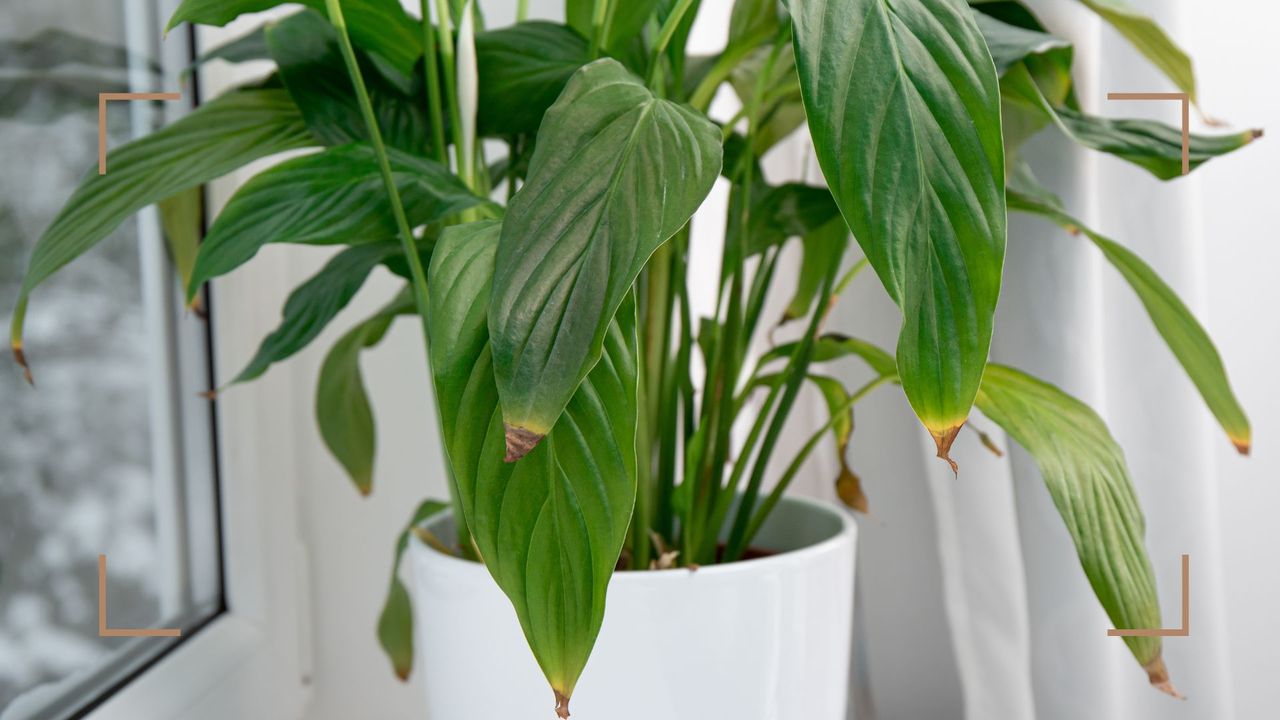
(113, 452)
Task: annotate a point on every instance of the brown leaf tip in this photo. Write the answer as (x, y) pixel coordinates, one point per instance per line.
(562, 705)
(208, 394)
(945, 440)
(1243, 447)
(520, 442)
(21, 358)
(1158, 674)
(1256, 134)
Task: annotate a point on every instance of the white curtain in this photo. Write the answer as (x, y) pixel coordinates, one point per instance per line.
(972, 602)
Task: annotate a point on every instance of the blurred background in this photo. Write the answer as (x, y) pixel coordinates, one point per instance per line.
(971, 603)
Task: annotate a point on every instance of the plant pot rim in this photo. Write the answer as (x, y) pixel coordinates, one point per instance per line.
(845, 534)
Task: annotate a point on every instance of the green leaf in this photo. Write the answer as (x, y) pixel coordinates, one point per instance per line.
(1085, 472)
(1185, 336)
(342, 403)
(522, 70)
(182, 217)
(335, 196)
(313, 304)
(616, 173)
(1149, 39)
(250, 46)
(822, 248)
(378, 26)
(782, 111)
(754, 19)
(1045, 58)
(305, 47)
(550, 527)
(213, 140)
(1155, 146)
(1010, 45)
(918, 174)
(395, 623)
(787, 211)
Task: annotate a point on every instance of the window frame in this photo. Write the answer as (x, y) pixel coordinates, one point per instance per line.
(253, 659)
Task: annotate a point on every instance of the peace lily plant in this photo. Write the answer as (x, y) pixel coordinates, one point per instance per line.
(562, 344)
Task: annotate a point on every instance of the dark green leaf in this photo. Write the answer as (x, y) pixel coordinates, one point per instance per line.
(215, 139)
(1185, 336)
(305, 46)
(395, 623)
(551, 526)
(251, 46)
(522, 70)
(616, 173)
(918, 173)
(335, 196)
(1088, 480)
(378, 26)
(313, 304)
(342, 403)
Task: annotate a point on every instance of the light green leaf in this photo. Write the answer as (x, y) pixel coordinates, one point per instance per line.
(314, 303)
(1157, 147)
(523, 68)
(182, 218)
(918, 174)
(616, 173)
(378, 26)
(550, 527)
(1149, 39)
(342, 403)
(335, 196)
(213, 140)
(1085, 472)
(305, 47)
(395, 623)
(627, 20)
(1185, 336)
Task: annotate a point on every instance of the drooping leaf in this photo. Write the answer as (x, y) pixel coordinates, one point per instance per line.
(342, 403)
(1149, 39)
(314, 303)
(305, 47)
(918, 174)
(335, 196)
(1188, 340)
(378, 26)
(1155, 146)
(550, 527)
(395, 623)
(1010, 44)
(616, 173)
(523, 68)
(182, 219)
(1088, 479)
(215, 139)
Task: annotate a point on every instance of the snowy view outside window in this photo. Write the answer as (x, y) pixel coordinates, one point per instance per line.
(77, 468)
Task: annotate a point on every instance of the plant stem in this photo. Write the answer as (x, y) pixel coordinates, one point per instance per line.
(702, 95)
(432, 70)
(667, 32)
(762, 513)
(599, 25)
(449, 65)
(522, 11)
(408, 245)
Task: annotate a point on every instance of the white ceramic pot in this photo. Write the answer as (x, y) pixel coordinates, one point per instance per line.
(765, 639)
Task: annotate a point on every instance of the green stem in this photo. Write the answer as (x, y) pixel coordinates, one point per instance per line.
(667, 32)
(449, 64)
(432, 70)
(702, 95)
(407, 243)
(522, 11)
(735, 552)
(599, 25)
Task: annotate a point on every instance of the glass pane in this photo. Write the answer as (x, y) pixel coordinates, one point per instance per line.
(111, 454)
